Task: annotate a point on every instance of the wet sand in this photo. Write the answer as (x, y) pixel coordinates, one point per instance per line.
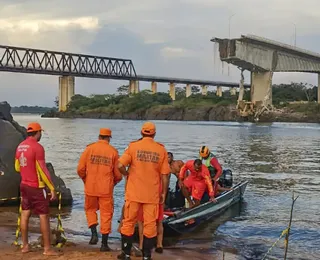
(75, 250)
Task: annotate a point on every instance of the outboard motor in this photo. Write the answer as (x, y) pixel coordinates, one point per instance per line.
(226, 179)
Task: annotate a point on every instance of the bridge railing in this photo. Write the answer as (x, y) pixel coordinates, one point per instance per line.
(25, 60)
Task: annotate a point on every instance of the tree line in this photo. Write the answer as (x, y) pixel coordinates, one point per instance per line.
(123, 102)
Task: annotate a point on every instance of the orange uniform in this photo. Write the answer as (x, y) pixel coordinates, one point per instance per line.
(160, 212)
(98, 168)
(196, 182)
(148, 162)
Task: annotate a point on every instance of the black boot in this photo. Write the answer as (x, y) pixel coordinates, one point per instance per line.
(104, 243)
(148, 244)
(94, 235)
(126, 245)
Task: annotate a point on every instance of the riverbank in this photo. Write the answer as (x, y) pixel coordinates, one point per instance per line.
(293, 113)
(75, 250)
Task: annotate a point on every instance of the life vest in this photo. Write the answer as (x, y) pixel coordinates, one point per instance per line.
(207, 162)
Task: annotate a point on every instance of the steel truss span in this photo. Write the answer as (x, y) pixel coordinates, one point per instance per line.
(26, 60)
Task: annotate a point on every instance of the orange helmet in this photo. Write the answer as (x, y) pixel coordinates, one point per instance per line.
(204, 151)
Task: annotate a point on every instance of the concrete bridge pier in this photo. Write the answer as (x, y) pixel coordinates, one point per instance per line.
(204, 90)
(134, 87)
(219, 91)
(261, 87)
(154, 87)
(66, 91)
(188, 90)
(172, 91)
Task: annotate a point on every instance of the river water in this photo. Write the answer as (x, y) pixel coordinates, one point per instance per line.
(275, 158)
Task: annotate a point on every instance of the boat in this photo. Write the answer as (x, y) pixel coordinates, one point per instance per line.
(181, 221)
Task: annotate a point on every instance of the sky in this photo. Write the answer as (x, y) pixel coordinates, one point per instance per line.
(162, 37)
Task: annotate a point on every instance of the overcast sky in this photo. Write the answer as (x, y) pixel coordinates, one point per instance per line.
(162, 37)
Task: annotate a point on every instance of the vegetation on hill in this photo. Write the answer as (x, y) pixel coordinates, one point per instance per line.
(296, 102)
(121, 102)
(31, 109)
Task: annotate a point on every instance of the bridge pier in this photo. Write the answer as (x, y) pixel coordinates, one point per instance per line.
(134, 87)
(219, 91)
(204, 90)
(154, 87)
(66, 91)
(188, 90)
(261, 87)
(172, 91)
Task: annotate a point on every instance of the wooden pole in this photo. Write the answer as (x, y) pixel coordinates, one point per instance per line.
(289, 226)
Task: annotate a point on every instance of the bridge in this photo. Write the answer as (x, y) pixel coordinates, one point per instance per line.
(262, 57)
(70, 65)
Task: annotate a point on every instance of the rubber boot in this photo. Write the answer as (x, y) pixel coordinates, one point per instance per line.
(126, 245)
(104, 243)
(94, 235)
(148, 244)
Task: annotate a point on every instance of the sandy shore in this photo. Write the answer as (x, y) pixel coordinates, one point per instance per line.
(75, 250)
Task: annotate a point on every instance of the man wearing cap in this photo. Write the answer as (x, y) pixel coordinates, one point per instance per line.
(30, 162)
(98, 168)
(149, 170)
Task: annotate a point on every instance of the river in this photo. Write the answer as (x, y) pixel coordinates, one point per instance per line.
(276, 159)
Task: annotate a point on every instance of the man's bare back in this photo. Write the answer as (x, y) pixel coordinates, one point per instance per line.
(175, 167)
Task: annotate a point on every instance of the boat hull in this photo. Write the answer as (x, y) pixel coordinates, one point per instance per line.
(189, 220)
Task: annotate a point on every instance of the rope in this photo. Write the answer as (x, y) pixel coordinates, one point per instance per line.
(18, 230)
(284, 232)
(59, 224)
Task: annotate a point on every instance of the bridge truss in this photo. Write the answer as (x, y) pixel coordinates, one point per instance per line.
(26, 60)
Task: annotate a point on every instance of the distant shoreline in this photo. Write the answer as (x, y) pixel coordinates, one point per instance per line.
(213, 113)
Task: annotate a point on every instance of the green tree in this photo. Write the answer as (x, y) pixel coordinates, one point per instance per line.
(195, 89)
(123, 90)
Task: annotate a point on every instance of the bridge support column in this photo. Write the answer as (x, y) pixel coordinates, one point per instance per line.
(131, 86)
(134, 87)
(204, 90)
(233, 91)
(66, 91)
(154, 87)
(172, 91)
(219, 91)
(261, 87)
(188, 90)
(318, 88)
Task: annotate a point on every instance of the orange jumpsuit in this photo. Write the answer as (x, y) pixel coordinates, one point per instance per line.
(148, 161)
(98, 168)
(196, 182)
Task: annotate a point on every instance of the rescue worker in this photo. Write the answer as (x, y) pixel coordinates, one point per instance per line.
(196, 183)
(175, 166)
(30, 162)
(209, 160)
(149, 166)
(98, 168)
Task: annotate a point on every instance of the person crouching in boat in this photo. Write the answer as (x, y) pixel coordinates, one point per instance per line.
(213, 165)
(98, 168)
(196, 183)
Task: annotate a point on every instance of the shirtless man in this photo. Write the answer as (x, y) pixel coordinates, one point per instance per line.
(175, 165)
